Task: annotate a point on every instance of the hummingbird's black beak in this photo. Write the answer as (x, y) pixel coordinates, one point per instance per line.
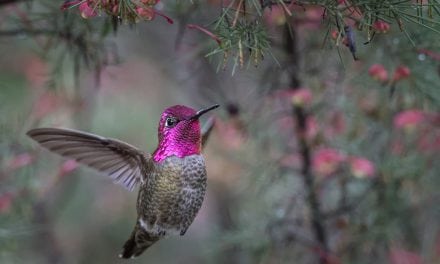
(203, 111)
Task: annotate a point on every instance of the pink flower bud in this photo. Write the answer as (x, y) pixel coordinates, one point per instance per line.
(361, 167)
(334, 34)
(381, 26)
(146, 13)
(402, 72)
(326, 161)
(409, 119)
(302, 97)
(86, 10)
(378, 72)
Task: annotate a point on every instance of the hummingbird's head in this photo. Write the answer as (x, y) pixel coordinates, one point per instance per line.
(179, 132)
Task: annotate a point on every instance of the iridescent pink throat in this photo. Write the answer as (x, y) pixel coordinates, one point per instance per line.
(181, 141)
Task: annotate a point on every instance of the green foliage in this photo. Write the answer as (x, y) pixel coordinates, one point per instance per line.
(265, 214)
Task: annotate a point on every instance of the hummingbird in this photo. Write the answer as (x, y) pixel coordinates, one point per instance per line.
(171, 180)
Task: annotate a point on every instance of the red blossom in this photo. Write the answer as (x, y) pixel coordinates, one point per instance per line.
(302, 97)
(326, 161)
(361, 167)
(381, 26)
(334, 34)
(89, 8)
(409, 119)
(87, 11)
(402, 72)
(378, 72)
(146, 13)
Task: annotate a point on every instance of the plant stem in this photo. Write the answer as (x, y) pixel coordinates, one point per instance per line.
(301, 119)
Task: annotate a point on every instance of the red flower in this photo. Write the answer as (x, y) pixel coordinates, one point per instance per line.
(402, 72)
(378, 72)
(302, 97)
(381, 26)
(334, 34)
(361, 167)
(87, 10)
(146, 13)
(326, 161)
(409, 119)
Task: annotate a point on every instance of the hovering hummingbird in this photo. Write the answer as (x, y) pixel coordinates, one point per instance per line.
(172, 180)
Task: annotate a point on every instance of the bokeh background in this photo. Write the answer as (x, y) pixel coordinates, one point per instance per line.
(314, 157)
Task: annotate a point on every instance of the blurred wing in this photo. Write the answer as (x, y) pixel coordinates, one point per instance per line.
(124, 163)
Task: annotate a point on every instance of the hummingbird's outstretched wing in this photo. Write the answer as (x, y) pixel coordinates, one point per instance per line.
(124, 163)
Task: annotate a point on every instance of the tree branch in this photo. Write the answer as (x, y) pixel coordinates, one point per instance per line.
(301, 118)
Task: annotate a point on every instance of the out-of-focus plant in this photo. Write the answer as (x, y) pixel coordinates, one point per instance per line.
(338, 135)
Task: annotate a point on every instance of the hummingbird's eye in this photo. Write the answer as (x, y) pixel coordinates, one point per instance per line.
(170, 122)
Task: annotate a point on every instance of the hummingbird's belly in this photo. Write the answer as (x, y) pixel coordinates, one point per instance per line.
(170, 201)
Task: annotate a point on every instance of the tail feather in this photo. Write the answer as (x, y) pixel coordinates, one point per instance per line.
(138, 242)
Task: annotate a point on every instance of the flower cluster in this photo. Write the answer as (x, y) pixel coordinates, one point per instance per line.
(381, 26)
(125, 10)
(380, 74)
(327, 161)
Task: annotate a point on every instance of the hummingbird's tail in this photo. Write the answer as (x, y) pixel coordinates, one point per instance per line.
(138, 242)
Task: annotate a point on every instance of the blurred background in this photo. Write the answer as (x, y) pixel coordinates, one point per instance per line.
(315, 157)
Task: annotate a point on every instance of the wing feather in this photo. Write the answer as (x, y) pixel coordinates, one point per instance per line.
(122, 162)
